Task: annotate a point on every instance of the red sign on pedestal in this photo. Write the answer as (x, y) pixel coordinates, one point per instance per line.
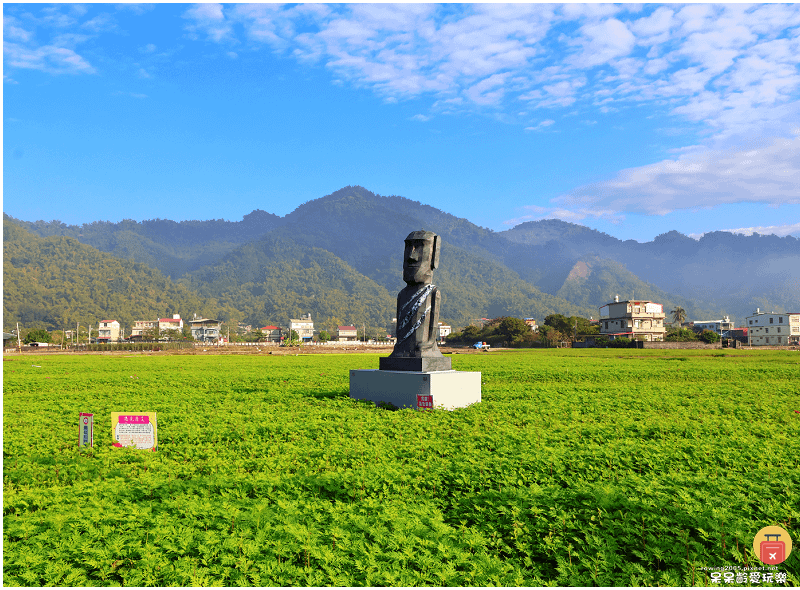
(424, 402)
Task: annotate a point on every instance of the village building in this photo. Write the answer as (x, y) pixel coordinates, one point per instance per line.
(205, 330)
(108, 331)
(773, 329)
(142, 326)
(173, 323)
(304, 328)
(347, 333)
(721, 327)
(632, 319)
(444, 331)
(272, 333)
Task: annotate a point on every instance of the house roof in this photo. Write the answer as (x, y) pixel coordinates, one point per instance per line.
(346, 328)
(171, 320)
(107, 321)
(270, 328)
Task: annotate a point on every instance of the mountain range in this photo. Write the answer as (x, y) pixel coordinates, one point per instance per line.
(339, 258)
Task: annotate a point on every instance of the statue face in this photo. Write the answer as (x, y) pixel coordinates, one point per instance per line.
(417, 261)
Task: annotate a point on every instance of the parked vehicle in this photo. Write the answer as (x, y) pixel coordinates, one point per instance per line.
(481, 346)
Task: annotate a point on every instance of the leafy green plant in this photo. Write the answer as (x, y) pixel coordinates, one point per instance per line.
(580, 467)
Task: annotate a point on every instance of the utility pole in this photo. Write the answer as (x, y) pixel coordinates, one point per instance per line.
(19, 340)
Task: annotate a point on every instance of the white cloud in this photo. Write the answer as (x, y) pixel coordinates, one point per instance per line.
(603, 42)
(724, 71)
(728, 68)
(420, 118)
(489, 90)
(538, 213)
(767, 172)
(13, 30)
(48, 58)
(541, 126)
(778, 230)
(208, 19)
(102, 23)
(59, 54)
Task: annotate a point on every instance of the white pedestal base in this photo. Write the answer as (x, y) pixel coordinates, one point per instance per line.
(450, 389)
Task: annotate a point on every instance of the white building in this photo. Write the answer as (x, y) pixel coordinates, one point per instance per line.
(444, 330)
(347, 333)
(632, 319)
(718, 326)
(108, 331)
(272, 333)
(173, 323)
(773, 329)
(141, 326)
(304, 328)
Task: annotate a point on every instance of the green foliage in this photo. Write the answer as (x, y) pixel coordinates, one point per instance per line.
(678, 315)
(255, 336)
(709, 336)
(57, 282)
(292, 340)
(570, 325)
(578, 468)
(680, 335)
(37, 336)
(551, 336)
(513, 329)
(324, 336)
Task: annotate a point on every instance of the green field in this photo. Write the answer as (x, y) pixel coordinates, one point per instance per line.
(578, 468)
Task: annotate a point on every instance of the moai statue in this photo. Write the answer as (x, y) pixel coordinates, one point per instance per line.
(418, 309)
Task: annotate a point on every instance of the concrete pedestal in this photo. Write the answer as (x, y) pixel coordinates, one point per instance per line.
(423, 364)
(450, 389)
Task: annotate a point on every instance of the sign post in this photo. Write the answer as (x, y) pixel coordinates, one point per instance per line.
(86, 430)
(134, 429)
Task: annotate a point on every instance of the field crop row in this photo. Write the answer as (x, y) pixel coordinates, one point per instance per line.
(579, 467)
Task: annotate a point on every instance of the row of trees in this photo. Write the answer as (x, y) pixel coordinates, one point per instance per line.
(515, 332)
(559, 328)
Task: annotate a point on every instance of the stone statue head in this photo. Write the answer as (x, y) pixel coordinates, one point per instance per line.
(421, 256)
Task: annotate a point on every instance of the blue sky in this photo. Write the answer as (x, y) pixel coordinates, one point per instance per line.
(630, 119)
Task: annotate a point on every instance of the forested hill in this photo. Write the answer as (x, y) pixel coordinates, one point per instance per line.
(278, 277)
(56, 282)
(728, 273)
(339, 258)
(174, 248)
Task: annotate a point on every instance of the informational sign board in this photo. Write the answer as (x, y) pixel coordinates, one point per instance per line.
(424, 402)
(86, 430)
(134, 429)
(653, 308)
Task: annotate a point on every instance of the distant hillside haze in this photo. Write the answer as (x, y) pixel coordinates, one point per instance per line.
(339, 258)
(733, 273)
